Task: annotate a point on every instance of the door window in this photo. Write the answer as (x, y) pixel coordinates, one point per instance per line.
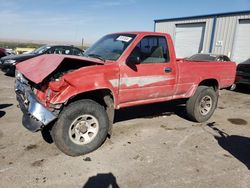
(152, 49)
(59, 50)
(76, 51)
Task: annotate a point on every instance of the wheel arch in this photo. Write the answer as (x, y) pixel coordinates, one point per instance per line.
(210, 83)
(96, 95)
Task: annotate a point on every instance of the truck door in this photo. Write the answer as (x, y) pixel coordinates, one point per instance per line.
(149, 73)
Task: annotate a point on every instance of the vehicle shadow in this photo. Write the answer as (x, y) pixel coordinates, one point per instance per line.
(102, 181)
(11, 75)
(2, 106)
(243, 89)
(46, 133)
(143, 111)
(238, 146)
(152, 110)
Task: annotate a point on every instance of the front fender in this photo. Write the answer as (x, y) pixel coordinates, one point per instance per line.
(80, 85)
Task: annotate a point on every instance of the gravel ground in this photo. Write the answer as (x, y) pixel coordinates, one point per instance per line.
(152, 146)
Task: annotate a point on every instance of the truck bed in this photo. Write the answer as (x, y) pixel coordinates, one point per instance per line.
(195, 71)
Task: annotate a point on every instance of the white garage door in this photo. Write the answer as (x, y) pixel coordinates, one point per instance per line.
(189, 39)
(242, 42)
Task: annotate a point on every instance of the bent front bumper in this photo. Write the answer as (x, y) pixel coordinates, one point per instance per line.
(35, 115)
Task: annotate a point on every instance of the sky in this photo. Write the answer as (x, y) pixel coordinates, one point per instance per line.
(71, 20)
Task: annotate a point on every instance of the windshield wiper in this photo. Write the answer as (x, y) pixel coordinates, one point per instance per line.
(96, 56)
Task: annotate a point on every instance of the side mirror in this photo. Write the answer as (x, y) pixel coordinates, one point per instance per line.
(133, 60)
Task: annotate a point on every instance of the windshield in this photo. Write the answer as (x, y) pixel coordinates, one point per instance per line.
(110, 47)
(41, 50)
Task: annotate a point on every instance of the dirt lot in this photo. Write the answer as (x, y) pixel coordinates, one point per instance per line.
(152, 146)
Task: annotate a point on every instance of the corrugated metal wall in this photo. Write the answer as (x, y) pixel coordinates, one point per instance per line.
(169, 27)
(226, 28)
(223, 36)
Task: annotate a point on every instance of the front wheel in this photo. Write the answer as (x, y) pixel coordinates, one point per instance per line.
(201, 106)
(81, 128)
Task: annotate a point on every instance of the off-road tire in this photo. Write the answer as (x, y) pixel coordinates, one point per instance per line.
(60, 131)
(193, 105)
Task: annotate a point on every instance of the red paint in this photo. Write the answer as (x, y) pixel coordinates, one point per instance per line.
(119, 78)
(38, 68)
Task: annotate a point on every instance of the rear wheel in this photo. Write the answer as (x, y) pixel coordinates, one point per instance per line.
(81, 128)
(201, 106)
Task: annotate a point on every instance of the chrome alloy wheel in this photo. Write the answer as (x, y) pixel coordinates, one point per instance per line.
(205, 105)
(84, 129)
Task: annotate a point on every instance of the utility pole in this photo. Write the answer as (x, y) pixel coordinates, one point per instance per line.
(82, 42)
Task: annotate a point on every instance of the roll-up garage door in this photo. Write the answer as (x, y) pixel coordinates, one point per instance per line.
(189, 39)
(242, 41)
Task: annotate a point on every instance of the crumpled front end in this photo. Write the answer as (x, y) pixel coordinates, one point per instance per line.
(35, 114)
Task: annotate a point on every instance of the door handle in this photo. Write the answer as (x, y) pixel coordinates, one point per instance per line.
(168, 69)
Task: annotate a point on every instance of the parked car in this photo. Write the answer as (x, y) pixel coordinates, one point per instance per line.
(2, 52)
(243, 73)
(10, 51)
(7, 64)
(5, 52)
(208, 57)
(77, 96)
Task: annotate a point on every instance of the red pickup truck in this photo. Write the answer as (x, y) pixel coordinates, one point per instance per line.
(77, 96)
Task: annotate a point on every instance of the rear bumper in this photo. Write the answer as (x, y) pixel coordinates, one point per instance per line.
(242, 78)
(243, 82)
(35, 115)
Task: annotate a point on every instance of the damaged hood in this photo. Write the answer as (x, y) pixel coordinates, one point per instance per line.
(38, 68)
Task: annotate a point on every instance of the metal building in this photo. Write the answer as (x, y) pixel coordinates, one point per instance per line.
(225, 33)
